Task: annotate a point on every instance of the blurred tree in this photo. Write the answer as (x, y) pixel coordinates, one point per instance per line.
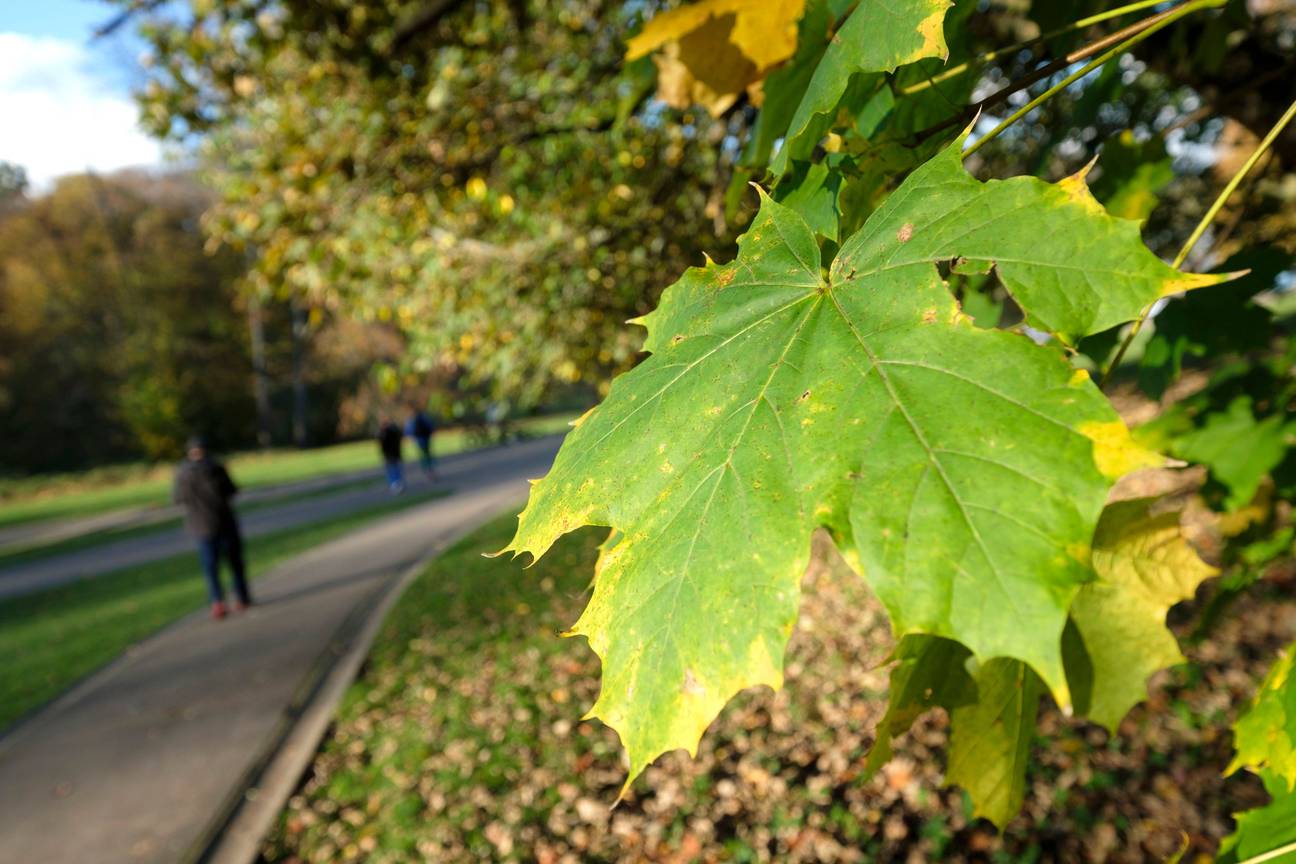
(476, 174)
(120, 333)
(13, 186)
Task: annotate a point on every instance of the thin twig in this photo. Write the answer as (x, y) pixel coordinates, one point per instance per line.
(1120, 38)
(1271, 854)
(990, 56)
(1139, 32)
(1202, 225)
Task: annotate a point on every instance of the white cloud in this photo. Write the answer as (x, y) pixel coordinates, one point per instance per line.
(57, 117)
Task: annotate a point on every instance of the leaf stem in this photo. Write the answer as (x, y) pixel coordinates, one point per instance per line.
(1232, 185)
(1202, 225)
(1271, 854)
(1142, 30)
(990, 56)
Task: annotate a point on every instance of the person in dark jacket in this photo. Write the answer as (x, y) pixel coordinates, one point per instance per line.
(420, 427)
(204, 489)
(389, 443)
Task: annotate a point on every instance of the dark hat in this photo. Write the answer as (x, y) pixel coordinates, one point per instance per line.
(196, 442)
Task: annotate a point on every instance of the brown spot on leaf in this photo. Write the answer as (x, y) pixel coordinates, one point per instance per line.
(905, 232)
(804, 396)
(691, 686)
(929, 316)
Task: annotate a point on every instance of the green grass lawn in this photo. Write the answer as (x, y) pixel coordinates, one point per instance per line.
(468, 634)
(113, 535)
(51, 639)
(100, 490)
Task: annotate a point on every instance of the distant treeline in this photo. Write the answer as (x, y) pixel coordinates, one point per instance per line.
(120, 336)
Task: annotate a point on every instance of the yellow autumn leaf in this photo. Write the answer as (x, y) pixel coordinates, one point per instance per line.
(1144, 566)
(709, 52)
(764, 30)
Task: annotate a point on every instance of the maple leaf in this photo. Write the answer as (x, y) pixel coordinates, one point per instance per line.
(1118, 638)
(1144, 566)
(929, 672)
(879, 36)
(1239, 449)
(1265, 736)
(714, 49)
(1262, 831)
(962, 470)
(990, 739)
(1265, 740)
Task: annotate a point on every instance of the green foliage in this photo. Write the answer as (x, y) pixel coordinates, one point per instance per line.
(1239, 448)
(929, 672)
(475, 175)
(877, 36)
(410, 163)
(1264, 830)
(1132, 175)
(1265, 739)
(1215, 322)
(963, 468)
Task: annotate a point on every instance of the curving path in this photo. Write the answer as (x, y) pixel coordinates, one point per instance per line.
(146, 760)
(102, 558)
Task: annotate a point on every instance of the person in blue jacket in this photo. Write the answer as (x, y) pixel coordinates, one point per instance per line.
(421, 428)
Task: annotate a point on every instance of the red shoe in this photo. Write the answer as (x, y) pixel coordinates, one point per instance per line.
(240, 606)
(218, 610)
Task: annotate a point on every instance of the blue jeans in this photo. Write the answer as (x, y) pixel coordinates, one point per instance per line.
(425, 453)
(227, 543)
(395, 475)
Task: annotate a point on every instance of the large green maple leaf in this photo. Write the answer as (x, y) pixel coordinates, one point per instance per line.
(962, 469)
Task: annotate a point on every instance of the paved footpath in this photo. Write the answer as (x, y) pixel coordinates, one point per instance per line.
(136, 763)
(104, 558)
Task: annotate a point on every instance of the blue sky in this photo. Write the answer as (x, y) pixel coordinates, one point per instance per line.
(65, 19)
(64, 95)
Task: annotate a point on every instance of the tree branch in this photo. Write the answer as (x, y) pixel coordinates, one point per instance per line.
(426, 18)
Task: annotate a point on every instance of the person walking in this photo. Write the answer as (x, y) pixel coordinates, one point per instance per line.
(204, 489)
(389, 443)
(421, 428)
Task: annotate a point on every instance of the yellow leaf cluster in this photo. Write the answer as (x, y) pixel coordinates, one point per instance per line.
(708, 53)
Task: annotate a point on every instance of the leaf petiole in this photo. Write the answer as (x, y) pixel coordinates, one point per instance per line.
(1202, 225)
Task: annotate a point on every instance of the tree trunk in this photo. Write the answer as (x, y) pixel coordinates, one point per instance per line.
(260, 380)
(300, 327)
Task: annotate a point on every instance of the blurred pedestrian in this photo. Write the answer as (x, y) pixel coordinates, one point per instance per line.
(389, 443)
(421, 428)
(204, 489)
